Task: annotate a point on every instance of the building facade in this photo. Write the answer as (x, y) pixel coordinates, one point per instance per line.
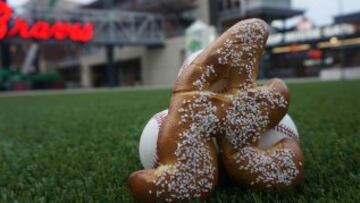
(139, 65)
(300, 51)
(158, 66)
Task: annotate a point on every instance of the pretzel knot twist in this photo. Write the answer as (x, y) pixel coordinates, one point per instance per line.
(217, 96)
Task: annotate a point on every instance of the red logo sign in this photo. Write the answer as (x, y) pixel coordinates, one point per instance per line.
(42, 30)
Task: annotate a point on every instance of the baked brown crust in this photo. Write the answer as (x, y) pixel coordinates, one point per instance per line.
(276, 168)
(215, 96)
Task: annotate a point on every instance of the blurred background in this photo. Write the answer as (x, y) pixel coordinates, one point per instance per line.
(143, 42)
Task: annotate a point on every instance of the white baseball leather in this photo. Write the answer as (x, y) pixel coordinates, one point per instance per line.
(188, 60)
(148, 140)
(149, 136)
(285, 128)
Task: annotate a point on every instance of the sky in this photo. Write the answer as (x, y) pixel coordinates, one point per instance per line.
(323, 11)
(320, 11)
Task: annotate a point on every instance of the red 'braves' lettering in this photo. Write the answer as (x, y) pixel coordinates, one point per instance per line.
(42, 30)
(20, 28)
(5, 14)
(81, 32)
(60, 30)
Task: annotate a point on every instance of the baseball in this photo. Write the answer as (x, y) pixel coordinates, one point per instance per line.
(285, 128)
(188, 60)
(149, 137)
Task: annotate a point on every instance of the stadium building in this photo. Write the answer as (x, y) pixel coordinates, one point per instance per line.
(138, 52)
(307, 50)
(158, 66)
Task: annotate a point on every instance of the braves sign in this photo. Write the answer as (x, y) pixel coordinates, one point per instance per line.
(42, 30)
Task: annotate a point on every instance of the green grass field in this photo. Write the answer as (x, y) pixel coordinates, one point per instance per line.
(82, 147)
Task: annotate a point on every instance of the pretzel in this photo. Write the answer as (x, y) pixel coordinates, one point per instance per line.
(216, 96)
(276, 167)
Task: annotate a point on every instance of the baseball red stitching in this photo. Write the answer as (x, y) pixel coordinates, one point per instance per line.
(160, 118)
(287, 131)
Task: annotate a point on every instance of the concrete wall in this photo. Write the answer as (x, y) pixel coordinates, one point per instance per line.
(87, 61)
(159, 66)
(202, 11)
(162, 65)
(349, 73)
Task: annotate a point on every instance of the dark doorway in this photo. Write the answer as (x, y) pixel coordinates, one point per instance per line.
(71, 76)
(129, 72)
(99, 75)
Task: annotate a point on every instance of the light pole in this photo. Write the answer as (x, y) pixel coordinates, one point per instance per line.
(5, 54)
(111, 72)
(243, 8)
(342, 51)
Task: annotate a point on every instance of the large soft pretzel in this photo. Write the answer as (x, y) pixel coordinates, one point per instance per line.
(216, 96)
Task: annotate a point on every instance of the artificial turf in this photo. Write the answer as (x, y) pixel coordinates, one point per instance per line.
(82, 147)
